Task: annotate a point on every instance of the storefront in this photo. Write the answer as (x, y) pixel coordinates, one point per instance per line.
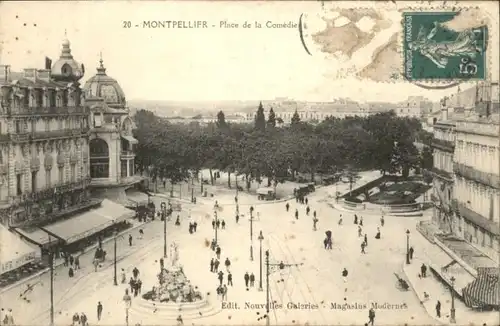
(14, 253)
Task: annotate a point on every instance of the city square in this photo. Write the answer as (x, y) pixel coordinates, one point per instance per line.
(198, 199)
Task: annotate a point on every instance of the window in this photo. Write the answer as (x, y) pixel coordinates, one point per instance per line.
(60, 124)
(19, 126)
(48, 175)
(47, 125)
(33, 181)
(124, 168)
(19, 184)
(61, 174)
(131, 167)
(73, 172)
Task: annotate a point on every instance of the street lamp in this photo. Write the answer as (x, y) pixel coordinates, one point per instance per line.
(115, 281)
(164, 215)
(452, 311)
(261, 237)
(408, 246)
(215, 214)
(251, 233)
(51, 262)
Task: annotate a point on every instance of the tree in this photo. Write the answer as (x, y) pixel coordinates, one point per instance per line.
(271, 120)
(260, 119)
(221, 120)
(295, 118)
(426, 158)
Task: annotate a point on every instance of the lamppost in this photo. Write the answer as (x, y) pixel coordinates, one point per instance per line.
(452, 311)
(164, 215)
(51, 265)
(407, 246)
(215, 215)
(261, 237)
(115, 280)
(251, 233)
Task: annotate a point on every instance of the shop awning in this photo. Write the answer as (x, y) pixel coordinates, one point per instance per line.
(137, 197)
(37, 236)
(130, 139)
(85, 224)
(14, 252)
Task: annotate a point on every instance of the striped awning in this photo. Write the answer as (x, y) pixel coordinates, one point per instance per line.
(484, 291)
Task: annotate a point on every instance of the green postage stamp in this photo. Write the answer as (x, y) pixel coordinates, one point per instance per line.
(432, 50)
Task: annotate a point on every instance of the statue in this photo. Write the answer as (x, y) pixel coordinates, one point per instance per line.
(466, 44)
(174, 254)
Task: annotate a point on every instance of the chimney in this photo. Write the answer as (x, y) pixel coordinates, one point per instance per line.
(4, 73)
(48, 63)
(30, 73)
(43, 74)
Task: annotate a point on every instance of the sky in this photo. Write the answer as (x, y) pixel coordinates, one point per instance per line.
(186, 64)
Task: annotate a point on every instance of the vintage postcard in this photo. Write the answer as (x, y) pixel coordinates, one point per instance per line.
(249, 163)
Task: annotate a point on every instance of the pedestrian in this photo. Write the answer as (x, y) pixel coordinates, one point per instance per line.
(252, 280)
(83, 319)
(314, 214)
(219, 292)
(131, 283)
(315, 221)
(124, 277)
(355, 219)
(141, 234)
(179, 320)
(382, 221)
(371, 316)
(77, 262)
(363, 245)
(227, 263)
(221, 277)
(177, 220)
(307, 210)
(229, 279)
(423, 270)
(216, 266)
(76, 319)
(66, 259)
(195, 225)
(71, 260)
(136, 289)
(411, 253)
(247, 278)
(438, 309)
(71, 273)
(224, 293)
(139, 286)
(325, 242)
(340, 220)
(360, 231)
(296, 214)
(190, 228)
(217, 224)
(306, 200)
(377, 236)
(96, 263)
(99, 310)
(213, 224)
(212, 265)
(287, 206)
(135, 272)
(223, 225)
(10, 317)
(361, 221)
(130, 240)
(217, 252)
(237, 218)
(366, 240)
(345, 272)
(329, 243)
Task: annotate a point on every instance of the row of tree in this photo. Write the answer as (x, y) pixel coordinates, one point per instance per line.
(382, 141)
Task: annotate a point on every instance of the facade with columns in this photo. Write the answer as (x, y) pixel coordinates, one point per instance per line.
(44, 135)
(477, 182)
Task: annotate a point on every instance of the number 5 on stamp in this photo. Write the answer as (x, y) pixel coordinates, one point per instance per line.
(434, 51)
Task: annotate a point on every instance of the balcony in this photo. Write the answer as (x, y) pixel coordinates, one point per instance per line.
(4, 138)
(123, 181)
(477, 219)
(49, 192)
(444, 145)
(39, 220)
(50, 111)
(48, 135)
(488, 179)
(442, 174)
(127, 154)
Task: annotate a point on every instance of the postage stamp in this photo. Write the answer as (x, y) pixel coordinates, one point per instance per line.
(432, 50)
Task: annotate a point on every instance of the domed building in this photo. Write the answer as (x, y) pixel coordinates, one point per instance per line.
(111, 145)
(67, 69)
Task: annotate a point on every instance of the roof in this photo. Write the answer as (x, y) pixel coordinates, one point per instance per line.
(103, 86)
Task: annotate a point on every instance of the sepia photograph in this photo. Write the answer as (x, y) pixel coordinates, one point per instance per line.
(249, 163)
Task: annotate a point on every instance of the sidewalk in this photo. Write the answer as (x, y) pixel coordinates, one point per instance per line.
(438, 291)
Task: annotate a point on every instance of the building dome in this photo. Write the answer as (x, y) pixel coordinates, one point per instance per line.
(66, 68)
(105, 87)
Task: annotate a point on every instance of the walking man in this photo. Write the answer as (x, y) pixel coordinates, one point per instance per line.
(287, 206)
(227, 263)
(130, 240)
(213, 224)
(411, 253)
(217, 252)
(423, 270)
(252, 280)
(216, 266)
(77, 262)
(438, 309)
(307, 210)
(237, 218)
(217, 224)
(360, 231)
(371, 316)
(229, 279)
(382, 221)
(221, 277)
(247, 278)
(296, 214)
(99, 310)
(224, 293)
(363, 247)
(223, 225)
(212, 265)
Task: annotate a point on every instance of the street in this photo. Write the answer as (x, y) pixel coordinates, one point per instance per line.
(316, 286)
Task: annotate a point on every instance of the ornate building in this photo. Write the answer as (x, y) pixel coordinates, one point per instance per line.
(44, 156)
(111, 145)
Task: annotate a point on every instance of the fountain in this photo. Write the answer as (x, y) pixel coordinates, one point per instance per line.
(173, 294)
